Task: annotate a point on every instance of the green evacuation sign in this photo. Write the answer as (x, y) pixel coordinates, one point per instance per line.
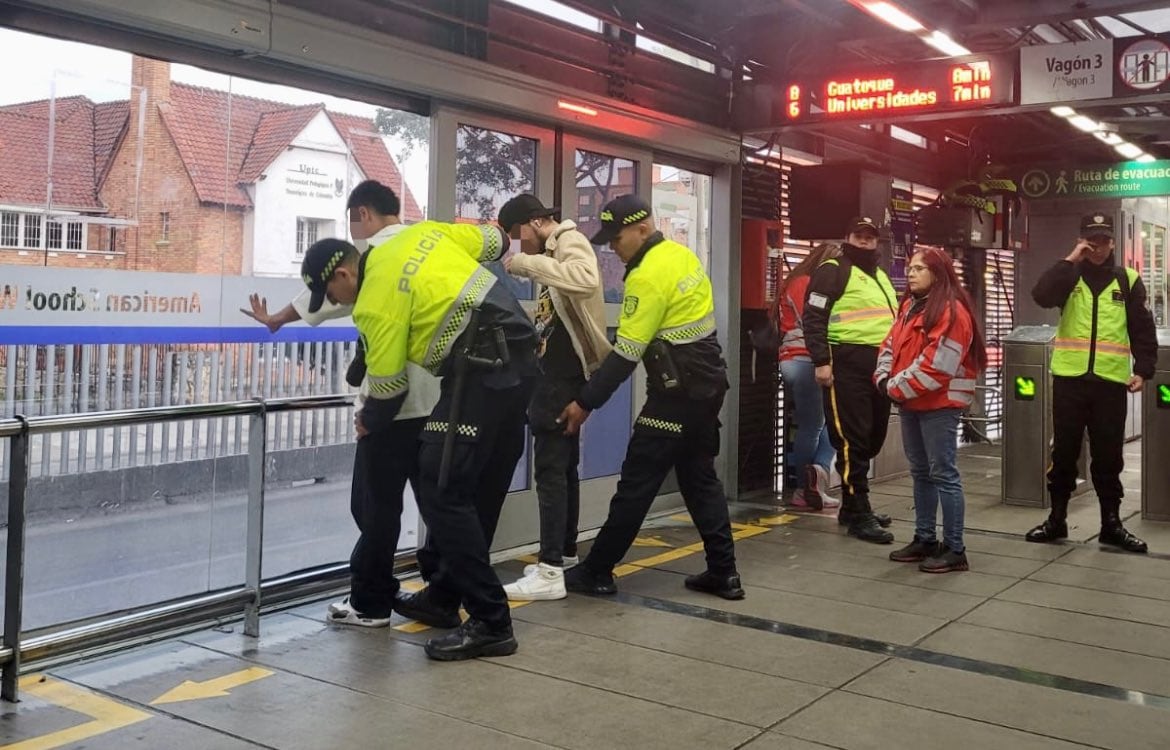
(1163, 396)
(1129, 179)
(1025, 388)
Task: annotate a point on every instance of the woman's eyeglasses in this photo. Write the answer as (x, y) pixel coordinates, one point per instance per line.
(917, 269)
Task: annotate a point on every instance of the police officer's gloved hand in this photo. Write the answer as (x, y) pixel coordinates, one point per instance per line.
(356, 372)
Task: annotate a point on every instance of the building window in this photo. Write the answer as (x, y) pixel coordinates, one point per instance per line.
(73, 236)
(113, 240)
(9, 229)
(53, 235)
(32, 231)
(164, 219)
(307, 233)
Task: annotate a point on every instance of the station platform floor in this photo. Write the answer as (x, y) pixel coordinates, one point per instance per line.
(1037, 646)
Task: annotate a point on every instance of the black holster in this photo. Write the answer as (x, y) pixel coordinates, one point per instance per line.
(663, 374)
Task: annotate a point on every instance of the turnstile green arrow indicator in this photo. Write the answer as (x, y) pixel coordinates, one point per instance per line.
(1025, 387)
(1163, 395)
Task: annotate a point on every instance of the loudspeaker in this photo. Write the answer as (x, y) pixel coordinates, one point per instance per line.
(823, 198)
(954, 227)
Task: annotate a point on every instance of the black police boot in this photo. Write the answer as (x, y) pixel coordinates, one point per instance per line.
(916, 551)
(422, 606)
(471, 639)
(867, 528)
(1116, 535)
(846, 517)
(720, 584)
(585, 581)
(1052, 530)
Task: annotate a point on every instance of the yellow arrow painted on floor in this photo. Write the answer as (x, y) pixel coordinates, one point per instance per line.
(650, 541)
(107, 714)
(217, 688)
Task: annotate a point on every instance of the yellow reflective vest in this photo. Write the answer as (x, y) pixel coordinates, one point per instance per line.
(1075, 341)
(864, 313)
(668, 295)
(418, 290)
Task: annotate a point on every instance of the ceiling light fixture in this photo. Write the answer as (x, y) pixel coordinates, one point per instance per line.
(1063, 111)
(1128, 150)
(1087, 124)
(893, 15)
(945, 44)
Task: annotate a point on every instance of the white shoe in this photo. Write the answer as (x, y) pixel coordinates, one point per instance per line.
(343, 613)
(544, 583)
(568, 561)
(816, 496)
(827, 500)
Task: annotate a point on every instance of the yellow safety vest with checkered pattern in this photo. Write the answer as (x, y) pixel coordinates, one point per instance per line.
(864, 313)
(418, 290)
(1074, 336)
(668, 296)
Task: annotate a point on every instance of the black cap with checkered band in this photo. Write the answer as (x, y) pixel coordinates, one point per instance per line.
(321, 260)
(618, 214)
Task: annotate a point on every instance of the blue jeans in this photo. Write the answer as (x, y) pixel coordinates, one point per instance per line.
(811, 445)
(930, 440)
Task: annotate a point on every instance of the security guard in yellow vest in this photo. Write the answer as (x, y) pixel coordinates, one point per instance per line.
(849, 310)
(422, 296)
(668, 323)
(1103, 321)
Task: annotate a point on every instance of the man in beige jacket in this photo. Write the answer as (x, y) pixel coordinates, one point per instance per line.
(570, 325)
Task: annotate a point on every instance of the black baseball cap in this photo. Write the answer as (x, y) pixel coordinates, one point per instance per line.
(321, 260)
(521, 209)
(619, 213)
(862, 224)
(1097, 225)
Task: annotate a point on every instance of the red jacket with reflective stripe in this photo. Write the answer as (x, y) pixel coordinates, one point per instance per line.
(791, 305)
(924, 370)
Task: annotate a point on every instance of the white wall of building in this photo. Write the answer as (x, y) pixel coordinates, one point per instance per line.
(310, 180)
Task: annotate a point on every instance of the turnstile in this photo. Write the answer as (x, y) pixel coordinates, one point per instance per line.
(1027, 417)
(1156, 437)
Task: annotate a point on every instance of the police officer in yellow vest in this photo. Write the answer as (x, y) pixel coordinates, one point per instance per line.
(423, 297)
(668, 323)
(1103, 321)
(849, 310)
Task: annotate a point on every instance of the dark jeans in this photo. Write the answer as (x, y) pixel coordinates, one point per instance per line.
(382, 464)
(555, 459)
(682, 434)
(858, 417)
(461, 519)
(1098, 406)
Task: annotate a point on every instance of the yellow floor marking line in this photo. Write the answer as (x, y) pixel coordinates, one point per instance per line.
(781, 520)
(651, 541)
(215, 688)
(107, 714)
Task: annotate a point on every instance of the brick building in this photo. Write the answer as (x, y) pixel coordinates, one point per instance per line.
(193, 180)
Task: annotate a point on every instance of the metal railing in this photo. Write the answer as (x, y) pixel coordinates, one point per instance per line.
(246, 599)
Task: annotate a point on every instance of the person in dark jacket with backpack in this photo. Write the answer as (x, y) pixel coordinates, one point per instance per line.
(1104, 319)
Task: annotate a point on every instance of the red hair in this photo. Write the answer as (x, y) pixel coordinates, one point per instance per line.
(945, 293)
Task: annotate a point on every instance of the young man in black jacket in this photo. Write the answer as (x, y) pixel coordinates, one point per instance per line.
(1104, 319)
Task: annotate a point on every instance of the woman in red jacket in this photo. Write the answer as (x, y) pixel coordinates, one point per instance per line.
(928, 365)
(811, 450)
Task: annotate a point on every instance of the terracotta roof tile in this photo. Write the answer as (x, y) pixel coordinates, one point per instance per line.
(109, 126)
(375, 161)
(24, 141)
(273, 135)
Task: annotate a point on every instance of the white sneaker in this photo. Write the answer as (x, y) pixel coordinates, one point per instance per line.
(343, 613)
(545, 582)
(568, 561)
(817, 479)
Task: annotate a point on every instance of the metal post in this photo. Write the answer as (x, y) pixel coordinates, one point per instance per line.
(14, 573)
(255, 534)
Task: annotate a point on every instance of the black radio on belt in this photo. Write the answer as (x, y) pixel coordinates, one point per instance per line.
(662, 371)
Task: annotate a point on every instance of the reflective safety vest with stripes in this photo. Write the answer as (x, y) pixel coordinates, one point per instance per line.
(864, 313)
(1075, 342)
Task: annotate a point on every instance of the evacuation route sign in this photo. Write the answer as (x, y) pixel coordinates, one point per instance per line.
(1072, 180)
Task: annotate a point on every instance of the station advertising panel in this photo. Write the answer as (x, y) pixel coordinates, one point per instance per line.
(922, 89)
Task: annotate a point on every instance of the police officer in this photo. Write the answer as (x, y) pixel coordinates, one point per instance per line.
(1103, 320)
(423, 297)
(668, 322)
(849, 310)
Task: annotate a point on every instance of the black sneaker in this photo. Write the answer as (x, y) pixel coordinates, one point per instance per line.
(947, 561)
(1116, 535)
(916, 551)
(1049, 531)
(422, 607)
(846, 517)
(719, 584)
(867, 528)
(471, 639)
(584, 581)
